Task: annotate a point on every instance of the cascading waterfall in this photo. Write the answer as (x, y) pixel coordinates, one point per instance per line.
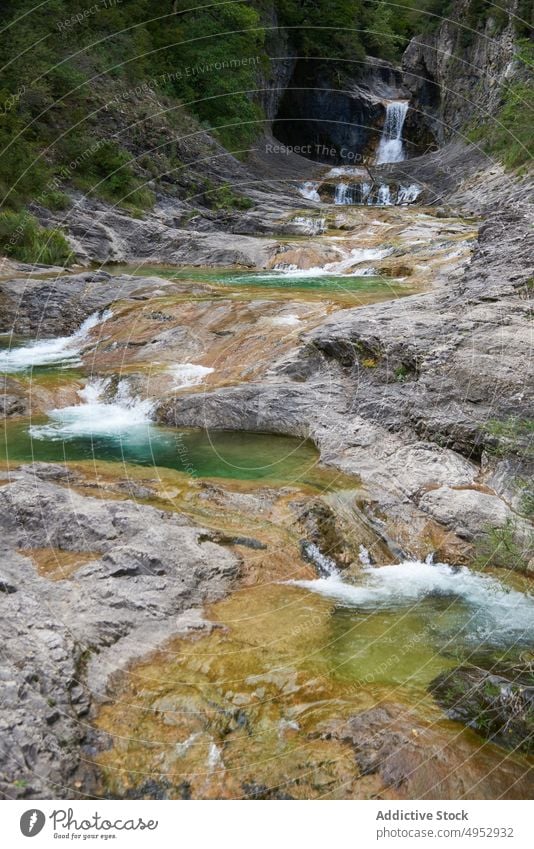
(408, 194)
(390, 148)
(492, 612)
(342, 195)
(97, 416)
(189, 374)
(384, 195)
(62, 351)
(309, 191)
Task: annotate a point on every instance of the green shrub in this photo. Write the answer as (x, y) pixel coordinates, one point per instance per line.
(225, 198)
(108, 173)
(54, 200)
(22, 238)
(513, 435)
(508, 136)
(505, 547)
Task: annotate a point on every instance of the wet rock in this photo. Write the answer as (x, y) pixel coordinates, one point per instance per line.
(56, 307)
(414, 442)
(497, 702)
(63, 641)
(261, 791)
(419, 760)
(7, 585)
(12, 400)
(468, 512)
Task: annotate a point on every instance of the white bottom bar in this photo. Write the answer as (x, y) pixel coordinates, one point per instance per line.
(268, 825)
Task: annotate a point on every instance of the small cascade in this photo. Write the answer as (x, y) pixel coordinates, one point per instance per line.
(309, 191)
(365, 557)
(390, 148)
(306, 226)
(342, 195)
(188, 374)
(353, 194)
(492, 613)
(384, 195)
(97, 415)
(326, 567)
(408, 194)
(62, 351)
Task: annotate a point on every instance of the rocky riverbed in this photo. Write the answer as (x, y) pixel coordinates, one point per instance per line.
(206, 471)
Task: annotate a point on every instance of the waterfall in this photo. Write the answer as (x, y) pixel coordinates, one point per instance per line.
(493, 613)
(342, 195)
(188, 374)
(62, 351)
(97, 416)
(384, 195)
(390, 148)
(309, 191)
(324, 564)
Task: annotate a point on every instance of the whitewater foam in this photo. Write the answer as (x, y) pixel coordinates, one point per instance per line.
(289, 320)
(346, 266)
(63, 351)
(188, 374)
(96, 416)
(390, 147)
(309, 191)
(497, 613)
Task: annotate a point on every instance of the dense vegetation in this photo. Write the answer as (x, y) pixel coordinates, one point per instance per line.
(69, 69)
(508, 136)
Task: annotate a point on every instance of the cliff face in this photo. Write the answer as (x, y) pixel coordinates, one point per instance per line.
(457, 73)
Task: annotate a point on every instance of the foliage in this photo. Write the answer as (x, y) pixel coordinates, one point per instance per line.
(512, 435)
(22, 238)
(61, 62)
(225, 198)
(108, 173)
(476, 17)
(505, 547)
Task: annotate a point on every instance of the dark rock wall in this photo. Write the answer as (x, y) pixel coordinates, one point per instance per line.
(341, 117)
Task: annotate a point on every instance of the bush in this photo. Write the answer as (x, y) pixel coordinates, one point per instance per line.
(107, 172)
(22, 238)
(511, 436)
(508, 136)
(225, 198)
(505, 547)
(55, 200)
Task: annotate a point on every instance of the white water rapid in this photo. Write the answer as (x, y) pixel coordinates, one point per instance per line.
(390, 147)
(309, 191)
(96, 416)
(495, 613)
(349, 264)
(188, 374)
(63, 351)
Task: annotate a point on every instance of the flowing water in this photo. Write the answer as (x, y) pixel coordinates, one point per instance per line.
(257, 705)
(270, 689)
(19, 356)
(390, 147)
(325, 280)
(124, 434)
(369, 194)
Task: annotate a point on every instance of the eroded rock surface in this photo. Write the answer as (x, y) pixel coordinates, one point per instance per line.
(402, 393)
(62, 640)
